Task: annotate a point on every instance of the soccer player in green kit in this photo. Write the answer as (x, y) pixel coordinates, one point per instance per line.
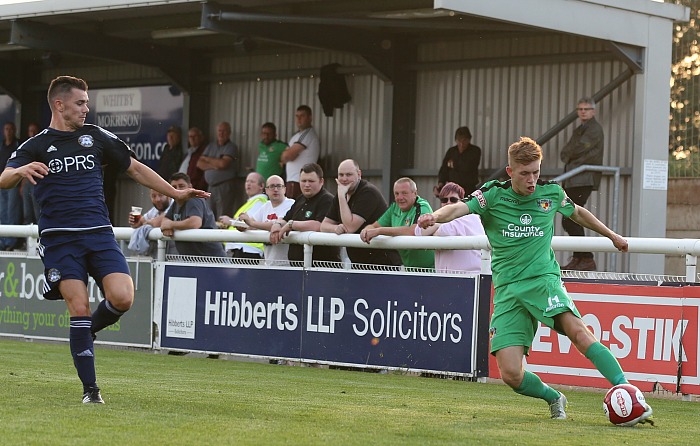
(518, 217)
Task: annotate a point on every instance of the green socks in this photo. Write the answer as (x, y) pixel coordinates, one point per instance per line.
(606, 363)
(597, 353)
(533, 386)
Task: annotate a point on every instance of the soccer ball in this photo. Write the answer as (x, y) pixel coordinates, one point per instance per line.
(624, 405)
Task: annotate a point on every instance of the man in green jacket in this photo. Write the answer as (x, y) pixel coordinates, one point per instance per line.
(401, 219)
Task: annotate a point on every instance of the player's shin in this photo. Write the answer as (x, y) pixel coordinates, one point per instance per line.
(603, 360)
(533, 386)
(82, 350)
(105, 315)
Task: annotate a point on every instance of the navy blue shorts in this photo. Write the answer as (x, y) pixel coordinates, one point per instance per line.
(74, 256)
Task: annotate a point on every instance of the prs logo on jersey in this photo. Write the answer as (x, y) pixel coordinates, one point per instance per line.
(72, 163)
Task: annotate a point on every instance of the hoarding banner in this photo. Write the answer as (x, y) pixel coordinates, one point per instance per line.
(344, 317)
(651, 330)
(25, 312)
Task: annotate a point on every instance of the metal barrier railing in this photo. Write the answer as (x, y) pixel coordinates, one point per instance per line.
(688, 247)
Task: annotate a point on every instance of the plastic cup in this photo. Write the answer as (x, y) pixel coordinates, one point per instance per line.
(136, 213)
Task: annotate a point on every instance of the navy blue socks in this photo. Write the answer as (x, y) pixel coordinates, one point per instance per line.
(104, 316)
(81, 348)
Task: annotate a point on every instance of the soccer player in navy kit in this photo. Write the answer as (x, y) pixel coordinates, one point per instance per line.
(65, 163)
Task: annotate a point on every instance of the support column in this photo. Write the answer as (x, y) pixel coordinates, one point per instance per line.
(651, 145)
(403, 119)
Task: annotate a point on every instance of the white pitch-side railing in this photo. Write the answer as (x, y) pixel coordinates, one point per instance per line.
(688, 247)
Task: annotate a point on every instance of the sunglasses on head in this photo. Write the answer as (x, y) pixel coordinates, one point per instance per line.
(450, 199)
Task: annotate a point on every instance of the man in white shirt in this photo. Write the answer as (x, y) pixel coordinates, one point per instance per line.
(267, 215)
(304, 147)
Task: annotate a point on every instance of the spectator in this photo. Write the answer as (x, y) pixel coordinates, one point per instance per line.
(461, 163)
(219, 163)
(269, 152)
(304, 148)
(192, 213)
(267, 215)
(357, 203)
(585, 147)
(171, 157)
(401, 219)
(189, 162)
(139, 242)
(306, 214)
(254, 187)
(448, 260)
(10, 199)
(30, 206)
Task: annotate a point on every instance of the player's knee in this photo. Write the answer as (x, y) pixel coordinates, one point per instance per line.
(513, 378)
(120, 294)
(80, 310)
(582, 338)
(512, 381)
(122, 302)
(121, 298)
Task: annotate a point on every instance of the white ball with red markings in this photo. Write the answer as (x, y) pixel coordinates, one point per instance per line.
(624, 404)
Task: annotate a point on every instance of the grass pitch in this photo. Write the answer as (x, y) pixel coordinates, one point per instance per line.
(170, 400)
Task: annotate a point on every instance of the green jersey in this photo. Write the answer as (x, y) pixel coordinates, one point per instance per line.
(394, 217)
(520, 228)
(269, 158)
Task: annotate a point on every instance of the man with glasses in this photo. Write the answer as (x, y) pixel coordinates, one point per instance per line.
(401, 219)
(584, 147)
(448, 260)
(267, 215)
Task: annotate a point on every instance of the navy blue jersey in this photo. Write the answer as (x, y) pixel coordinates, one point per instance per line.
(71, 196)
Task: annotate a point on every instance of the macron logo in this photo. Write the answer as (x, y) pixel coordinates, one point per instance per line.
(51, 149)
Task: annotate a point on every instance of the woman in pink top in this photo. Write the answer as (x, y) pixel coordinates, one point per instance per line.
(447, 260)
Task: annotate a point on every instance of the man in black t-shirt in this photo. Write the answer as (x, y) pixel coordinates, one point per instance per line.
(357, 204)
(306, 214)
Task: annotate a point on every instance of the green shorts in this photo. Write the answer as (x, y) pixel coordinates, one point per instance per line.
(518, 306)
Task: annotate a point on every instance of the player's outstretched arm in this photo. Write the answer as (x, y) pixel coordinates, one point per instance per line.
(450, 212)
(146, 176)
(585, 218)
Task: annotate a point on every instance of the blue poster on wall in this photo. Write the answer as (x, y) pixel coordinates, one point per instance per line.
(140, 116)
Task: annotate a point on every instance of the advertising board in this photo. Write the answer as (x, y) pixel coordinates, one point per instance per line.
(395, 320)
